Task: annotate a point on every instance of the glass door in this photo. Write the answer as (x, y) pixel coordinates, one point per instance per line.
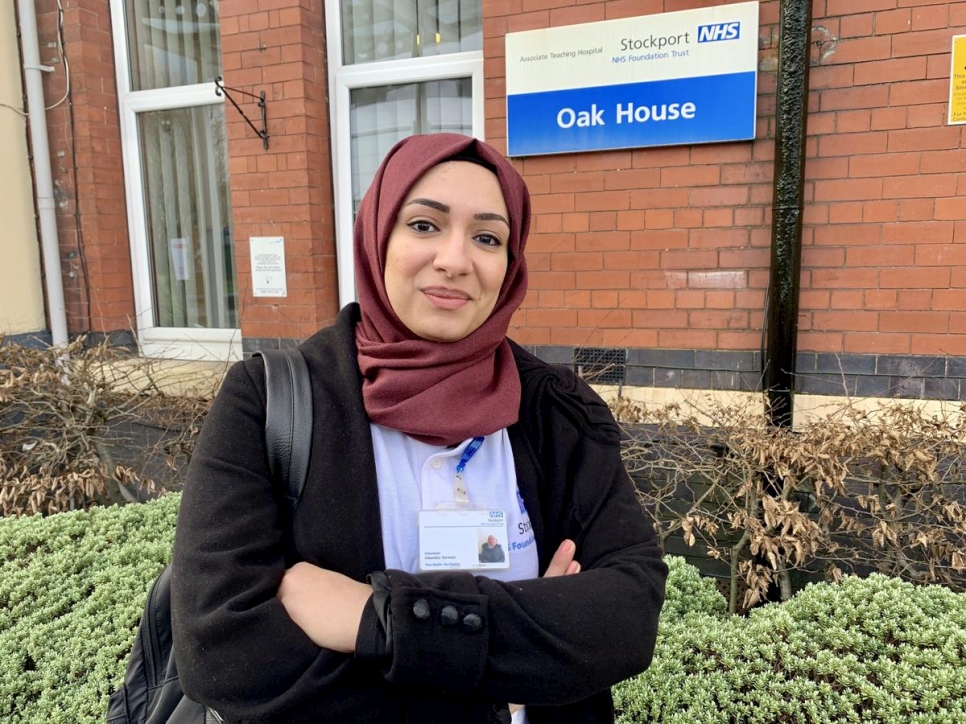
(168, 54)
(188, 220)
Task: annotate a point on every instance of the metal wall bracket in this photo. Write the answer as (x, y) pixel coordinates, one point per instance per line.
(222, 89)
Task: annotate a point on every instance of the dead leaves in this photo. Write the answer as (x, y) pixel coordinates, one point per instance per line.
(857, 490)
(60, 417)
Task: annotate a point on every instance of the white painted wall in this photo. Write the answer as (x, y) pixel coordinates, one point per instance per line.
(21, 290)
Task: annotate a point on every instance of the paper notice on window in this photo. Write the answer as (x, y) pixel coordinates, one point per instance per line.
(179, 250)
(268, 266)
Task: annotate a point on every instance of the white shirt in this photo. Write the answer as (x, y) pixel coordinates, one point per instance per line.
(414, 476)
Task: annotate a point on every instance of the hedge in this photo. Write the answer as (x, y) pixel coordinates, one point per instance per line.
(72, 587)
(865, 650)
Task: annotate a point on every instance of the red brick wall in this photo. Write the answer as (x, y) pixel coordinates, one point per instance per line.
(669, 247)
(287, 190)
(647, 248)
(91, 213)
(885, 266)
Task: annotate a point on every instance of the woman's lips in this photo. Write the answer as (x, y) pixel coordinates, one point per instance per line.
(446, 298)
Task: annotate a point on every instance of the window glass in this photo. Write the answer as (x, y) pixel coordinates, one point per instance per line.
(172, 43)
(382, 115)
(379, 30)
(183, 154)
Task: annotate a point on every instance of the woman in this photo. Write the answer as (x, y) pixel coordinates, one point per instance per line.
(431, 430)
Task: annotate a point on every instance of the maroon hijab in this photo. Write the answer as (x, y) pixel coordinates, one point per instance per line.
(437, 392)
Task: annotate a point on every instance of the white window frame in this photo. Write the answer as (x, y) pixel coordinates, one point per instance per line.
(170, 342)
(345, 78)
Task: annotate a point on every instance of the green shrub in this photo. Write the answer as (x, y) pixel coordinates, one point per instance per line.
(73, 585)
(873, 650)
(690, 594)
(72, 588)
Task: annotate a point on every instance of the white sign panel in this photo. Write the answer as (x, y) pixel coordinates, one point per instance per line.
(654, 80)
(268, 266)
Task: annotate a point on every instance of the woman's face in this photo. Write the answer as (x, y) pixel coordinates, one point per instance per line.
(448, 252)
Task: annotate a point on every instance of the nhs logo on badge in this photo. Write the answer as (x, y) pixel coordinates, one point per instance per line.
(719, 31)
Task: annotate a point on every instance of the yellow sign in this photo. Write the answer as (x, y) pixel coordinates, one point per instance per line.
(957, 81)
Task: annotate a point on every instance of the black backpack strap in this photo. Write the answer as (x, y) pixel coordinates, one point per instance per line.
(288, 419)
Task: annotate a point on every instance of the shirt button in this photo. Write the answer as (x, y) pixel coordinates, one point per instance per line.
(421, 609)
(437, 463)
(449, 615)
(472, 622)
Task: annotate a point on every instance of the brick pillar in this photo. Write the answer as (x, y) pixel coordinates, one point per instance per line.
(287, 190)
(87, 167)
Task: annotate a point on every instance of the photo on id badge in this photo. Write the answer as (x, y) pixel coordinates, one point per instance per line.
(462, 539)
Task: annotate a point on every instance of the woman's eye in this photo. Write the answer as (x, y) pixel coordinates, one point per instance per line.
(422, 227)
(488, 240)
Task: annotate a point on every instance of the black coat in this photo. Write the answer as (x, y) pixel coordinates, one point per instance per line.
(556, 645)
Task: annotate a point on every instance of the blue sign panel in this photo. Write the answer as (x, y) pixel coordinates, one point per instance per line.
(634, 115)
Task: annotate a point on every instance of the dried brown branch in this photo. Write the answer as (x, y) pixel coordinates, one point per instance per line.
(854, 492)
(87, 426)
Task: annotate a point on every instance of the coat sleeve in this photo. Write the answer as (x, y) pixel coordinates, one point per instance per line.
(236, 648)
(545, 641)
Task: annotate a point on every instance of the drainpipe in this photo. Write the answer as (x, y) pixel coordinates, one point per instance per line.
(40, 149)
(795, 24)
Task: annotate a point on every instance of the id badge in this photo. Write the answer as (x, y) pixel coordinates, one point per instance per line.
(463, 539)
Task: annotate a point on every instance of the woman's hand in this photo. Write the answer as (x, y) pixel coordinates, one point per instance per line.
(326, 605)
(563, 563)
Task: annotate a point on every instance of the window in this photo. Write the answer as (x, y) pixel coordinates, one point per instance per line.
(168, 54)
(172, 44)
(396, 69)
(382, 115)
(188, 221)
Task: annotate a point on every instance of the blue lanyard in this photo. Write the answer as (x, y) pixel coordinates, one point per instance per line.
(468, 454)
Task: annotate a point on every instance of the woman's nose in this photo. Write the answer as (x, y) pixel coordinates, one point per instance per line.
(452, 256)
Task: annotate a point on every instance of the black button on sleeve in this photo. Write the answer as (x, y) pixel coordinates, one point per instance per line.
(421, 609)
(449, 615)
(472, 622)
(459, 657)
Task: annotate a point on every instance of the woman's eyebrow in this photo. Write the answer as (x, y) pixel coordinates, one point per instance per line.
(491, 217)
(439, 206)
(430, 203)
